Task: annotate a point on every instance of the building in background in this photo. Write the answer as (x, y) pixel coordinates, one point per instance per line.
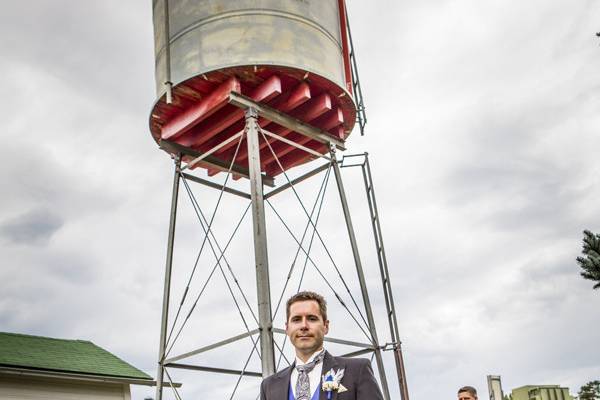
(36, 367)
(495, 387)
(541, 392)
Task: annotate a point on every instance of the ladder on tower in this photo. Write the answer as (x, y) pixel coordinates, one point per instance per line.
(383, 266)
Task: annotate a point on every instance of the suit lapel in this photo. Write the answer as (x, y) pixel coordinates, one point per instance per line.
(281, 384)
(329, 362)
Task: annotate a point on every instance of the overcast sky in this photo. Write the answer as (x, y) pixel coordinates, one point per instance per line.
(483, 131)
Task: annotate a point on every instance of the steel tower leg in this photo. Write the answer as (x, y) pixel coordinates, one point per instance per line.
(361, 277)
(167, 285)
(265, 318)
(385, 278)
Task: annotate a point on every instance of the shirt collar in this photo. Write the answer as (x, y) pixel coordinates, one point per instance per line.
(314, 355)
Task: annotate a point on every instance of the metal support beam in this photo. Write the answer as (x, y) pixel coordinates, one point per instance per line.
(299, 95)
(292, 144)
(213, 161)
(297, 180)
(212, 346)
(196, 160)
(282, 119)
(230, 116)
(358, 353)
(214, 185)
(265, 318)
(167, 284)
(216, 370)
(166, 34)
(361, 275)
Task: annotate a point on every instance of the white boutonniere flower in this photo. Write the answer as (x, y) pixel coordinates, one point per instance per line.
(332, 382)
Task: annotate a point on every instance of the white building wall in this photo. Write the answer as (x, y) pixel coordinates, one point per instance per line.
(30, 388)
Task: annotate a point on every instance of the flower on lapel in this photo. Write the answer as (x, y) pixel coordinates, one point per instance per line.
(332, 382)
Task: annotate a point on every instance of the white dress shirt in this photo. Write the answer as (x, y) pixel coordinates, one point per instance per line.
(314, 376)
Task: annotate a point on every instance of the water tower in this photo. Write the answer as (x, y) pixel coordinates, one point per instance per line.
(253, 89)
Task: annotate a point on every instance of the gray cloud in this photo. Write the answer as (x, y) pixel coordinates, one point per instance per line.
(32, 228)
(64, 41)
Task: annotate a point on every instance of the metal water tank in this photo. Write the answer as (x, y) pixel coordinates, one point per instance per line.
(271, 50)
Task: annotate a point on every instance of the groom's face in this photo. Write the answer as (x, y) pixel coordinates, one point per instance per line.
(306, 327)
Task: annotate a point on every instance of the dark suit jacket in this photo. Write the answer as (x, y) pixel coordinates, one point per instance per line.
(358, 379)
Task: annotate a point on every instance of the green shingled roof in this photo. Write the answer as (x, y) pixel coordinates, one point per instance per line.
(60, 355)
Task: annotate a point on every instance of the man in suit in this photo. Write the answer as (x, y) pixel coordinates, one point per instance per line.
(306, 326)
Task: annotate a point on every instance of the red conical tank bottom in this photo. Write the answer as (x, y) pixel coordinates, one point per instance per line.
(200, 116)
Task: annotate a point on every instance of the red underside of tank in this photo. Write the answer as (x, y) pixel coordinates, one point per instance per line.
(200, 116)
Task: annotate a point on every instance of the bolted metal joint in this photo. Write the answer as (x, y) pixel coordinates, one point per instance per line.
(332, 149)
(177, 158)
(251, 113)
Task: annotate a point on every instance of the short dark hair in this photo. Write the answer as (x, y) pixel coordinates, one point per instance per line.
(307, 296)
(470, 389)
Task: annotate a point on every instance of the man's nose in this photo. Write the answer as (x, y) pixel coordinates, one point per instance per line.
(304, 323)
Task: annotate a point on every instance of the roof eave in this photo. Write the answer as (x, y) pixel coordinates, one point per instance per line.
(80, 377)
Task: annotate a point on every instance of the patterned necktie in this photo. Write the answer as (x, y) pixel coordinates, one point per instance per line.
(302, 385)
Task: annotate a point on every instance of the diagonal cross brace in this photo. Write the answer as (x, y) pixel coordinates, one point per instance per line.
(212, 346)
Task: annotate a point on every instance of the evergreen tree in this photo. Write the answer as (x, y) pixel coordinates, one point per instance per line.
(589, 391)
(591, 262)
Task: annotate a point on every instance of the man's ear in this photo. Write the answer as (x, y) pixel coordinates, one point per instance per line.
(326, 323)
